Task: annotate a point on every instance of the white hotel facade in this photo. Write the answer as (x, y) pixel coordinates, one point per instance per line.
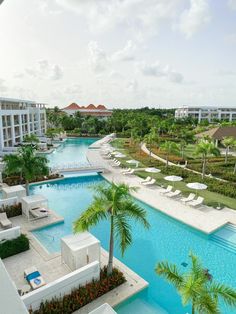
(207, 113)
(18, 118)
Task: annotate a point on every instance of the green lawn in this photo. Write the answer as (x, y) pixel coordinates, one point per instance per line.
(211, 198)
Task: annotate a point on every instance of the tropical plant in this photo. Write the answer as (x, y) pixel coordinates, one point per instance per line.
(182, 146)
(31, 138)
(169, 148)
(151, 138)
(228, 142)
(27, 164)
(197, 287)
(205, 149)
(114, 203)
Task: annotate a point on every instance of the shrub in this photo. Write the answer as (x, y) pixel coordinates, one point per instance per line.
(14, 246)
(83, 295)
(12, 210)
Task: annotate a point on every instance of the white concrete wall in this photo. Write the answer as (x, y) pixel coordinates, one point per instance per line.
(62, 286)
(9, 234)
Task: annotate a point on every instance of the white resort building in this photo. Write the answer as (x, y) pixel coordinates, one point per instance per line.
(207, 113)
(18, 118)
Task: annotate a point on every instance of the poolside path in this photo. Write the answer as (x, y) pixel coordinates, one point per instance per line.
(205, 219)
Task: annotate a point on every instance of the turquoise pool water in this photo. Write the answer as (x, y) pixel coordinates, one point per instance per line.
(167, 239)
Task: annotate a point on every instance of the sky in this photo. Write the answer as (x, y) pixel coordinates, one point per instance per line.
(120, 53)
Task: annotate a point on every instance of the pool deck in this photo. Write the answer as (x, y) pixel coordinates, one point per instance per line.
(205, 219)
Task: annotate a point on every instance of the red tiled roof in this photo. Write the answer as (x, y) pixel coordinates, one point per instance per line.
(101, 107)
(91, 106)
(72, 106)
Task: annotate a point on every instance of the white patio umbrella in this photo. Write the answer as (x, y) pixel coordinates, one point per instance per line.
(197, 186)
(173, 178)
(152, 170)
(133, 161)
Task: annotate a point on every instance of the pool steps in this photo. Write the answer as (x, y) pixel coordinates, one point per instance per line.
(219, 239)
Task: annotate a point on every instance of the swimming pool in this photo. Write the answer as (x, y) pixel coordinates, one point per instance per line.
(167, 239)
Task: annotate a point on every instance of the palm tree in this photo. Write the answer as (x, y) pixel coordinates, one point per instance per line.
(205, 149)
(114, 203)
(151, 138)
(31, 138)
(27, 164)
(169, 148)
(197, 287)
(228, 142)
(182, 146)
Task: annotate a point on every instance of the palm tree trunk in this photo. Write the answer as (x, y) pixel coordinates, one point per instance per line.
(27, 187)
(111, 248)
(167, 161)
(226, 154)
(193, 311)
(204, 167)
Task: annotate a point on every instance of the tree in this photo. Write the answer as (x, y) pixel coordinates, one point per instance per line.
(114, 203)
(197, 287)
(151, 138)
(169, 148)
(205, 149)
(228, 142)
(31, 138)
(182, 146)
(26, 164)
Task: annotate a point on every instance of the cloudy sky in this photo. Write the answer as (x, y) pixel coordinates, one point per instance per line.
(121, 53)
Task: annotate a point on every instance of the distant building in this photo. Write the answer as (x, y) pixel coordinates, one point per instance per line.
(218, 134)
(207, 113)
(18, 118)
(99, 112)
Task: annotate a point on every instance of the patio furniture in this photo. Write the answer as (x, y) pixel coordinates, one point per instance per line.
(196, 202)
(4, 221)
(116, 164)
(167, 190)
(189, 198)
(34, 278)
(39, 212)
(173, 194)
(125, 170)
(151, 182)
(35, 206)
(145, 180)
(13, 191)
(129, 172)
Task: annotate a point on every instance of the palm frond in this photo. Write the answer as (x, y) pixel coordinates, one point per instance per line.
(170, 273)
(122, 231)
(206, 304)
(135, 212)
(227, 294)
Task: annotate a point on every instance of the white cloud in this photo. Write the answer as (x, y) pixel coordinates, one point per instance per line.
(97, 58)
(125, 54)
(194, 18)
(231, 38)
(45, 70)
(132, 86)
(157, 70)
(3, 87)
(232, 4)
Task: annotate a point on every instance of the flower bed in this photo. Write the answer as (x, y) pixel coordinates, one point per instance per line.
(83, 295)
(15, 180)
(12, 210)
(14, 246)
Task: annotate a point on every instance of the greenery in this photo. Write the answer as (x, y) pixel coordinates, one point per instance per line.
(15, 180)
(14, 246)
(31, 139)
(12, 210)
(114, 203)
(26, 164)
(83, 295)
(197, 287)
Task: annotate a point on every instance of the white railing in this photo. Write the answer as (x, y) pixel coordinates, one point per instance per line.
(62, 286)
(9, 234)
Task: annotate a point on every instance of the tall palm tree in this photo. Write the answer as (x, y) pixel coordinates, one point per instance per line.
(114, 203)
(197, 287)
(206, 149)
(228, 142)
(151, 138)
(169, 148)
(31, 138)
(26, 164)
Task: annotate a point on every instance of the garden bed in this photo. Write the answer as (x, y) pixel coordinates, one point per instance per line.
(14, 246)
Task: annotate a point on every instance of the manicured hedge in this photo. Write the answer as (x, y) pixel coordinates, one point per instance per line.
(12, 210)
(14, 246)
(83, 295)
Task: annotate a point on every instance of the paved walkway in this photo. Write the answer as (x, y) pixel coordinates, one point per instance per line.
(205, 219)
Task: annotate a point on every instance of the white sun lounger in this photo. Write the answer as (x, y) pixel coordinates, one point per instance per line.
(196, 202)
(189, 198)
(129, 172)
(150, 182)
(4, 221)
(167, 190)
(116, 164)
(173, 194)
(39, 212)
(125, 170)
(34, 278)
(145, 180)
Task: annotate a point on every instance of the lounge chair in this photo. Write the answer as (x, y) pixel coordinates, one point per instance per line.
(196, 202)
(151, 182)
(116, 164)
(129, 172)
(4, 221)
(125, 170)
(173, 194)
(34, 278)
(167, 190)
(189, 198)
(145, 180)
(39, 212)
